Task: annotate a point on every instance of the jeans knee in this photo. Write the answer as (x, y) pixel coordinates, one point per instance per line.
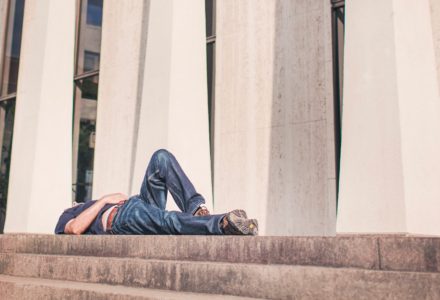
(162, 155)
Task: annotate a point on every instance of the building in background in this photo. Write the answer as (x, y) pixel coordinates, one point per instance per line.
(11, 14)
(88, 48)
(317, 117)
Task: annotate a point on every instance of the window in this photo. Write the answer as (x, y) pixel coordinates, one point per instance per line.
(12, 44)
(94, 12)
(210, 56)
(11, 16)
(338, 19)
(91, 61)
(88, 49)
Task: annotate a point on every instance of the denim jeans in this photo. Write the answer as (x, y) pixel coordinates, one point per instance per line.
(145, 213)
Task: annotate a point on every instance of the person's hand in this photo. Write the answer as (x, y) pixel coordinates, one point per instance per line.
(202, 211)
(117, 198)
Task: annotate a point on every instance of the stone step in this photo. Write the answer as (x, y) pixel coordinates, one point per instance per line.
(19, 288)
(393, 253)
(246, 280)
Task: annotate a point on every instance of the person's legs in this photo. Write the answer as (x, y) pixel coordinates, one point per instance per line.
(137, 216)
(146, 214)
(164, 173)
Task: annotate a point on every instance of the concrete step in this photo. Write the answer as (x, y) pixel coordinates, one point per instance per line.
(21, 288)
(239, 279)
(392, 253)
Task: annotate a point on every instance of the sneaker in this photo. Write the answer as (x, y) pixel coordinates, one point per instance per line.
(241, 213)
(239, 224)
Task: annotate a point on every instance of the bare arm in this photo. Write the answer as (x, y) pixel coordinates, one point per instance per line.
(80, 224)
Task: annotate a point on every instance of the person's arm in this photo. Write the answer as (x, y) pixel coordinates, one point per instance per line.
(80, 224)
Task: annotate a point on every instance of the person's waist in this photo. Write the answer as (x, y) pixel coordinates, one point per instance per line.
(108, 217)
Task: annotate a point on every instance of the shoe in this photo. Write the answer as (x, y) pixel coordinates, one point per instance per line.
(239, 224)
(241, 213)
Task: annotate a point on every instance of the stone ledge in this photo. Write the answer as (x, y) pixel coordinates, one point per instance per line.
(36, 288)
(248, 280)
(388, 252)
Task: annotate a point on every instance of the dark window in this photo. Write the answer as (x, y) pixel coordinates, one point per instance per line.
(210, 53)
(91, 61)
(94, 12)
(11, 56)
(210, 15)
(12, 21)
(7, 109)
(338, 20)
(88, 49)
(88, 88)
(86, 94)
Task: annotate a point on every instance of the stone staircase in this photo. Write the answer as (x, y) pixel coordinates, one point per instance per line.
(213, 267)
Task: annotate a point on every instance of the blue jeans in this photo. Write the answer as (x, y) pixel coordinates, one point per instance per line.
(145, 213)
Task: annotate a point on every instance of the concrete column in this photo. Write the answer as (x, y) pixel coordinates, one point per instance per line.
(435, 21)
(120, 86)
(40, 177)
(391, 127)
(174, 110)
(274, 145)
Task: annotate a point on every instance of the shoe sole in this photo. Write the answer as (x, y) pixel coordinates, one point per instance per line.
(237, 220)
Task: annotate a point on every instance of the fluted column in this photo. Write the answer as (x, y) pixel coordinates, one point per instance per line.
(40, 178)
(390, 164)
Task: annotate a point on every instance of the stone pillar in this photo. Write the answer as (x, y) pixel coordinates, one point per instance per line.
(174, 110)
(274, 144)
(120, 86)
(390, 165)
(435, 21)
(40, 177)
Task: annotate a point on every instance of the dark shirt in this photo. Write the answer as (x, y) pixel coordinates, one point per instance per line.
(73, 212)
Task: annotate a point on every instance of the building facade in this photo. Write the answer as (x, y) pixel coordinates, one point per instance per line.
(317, 117)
